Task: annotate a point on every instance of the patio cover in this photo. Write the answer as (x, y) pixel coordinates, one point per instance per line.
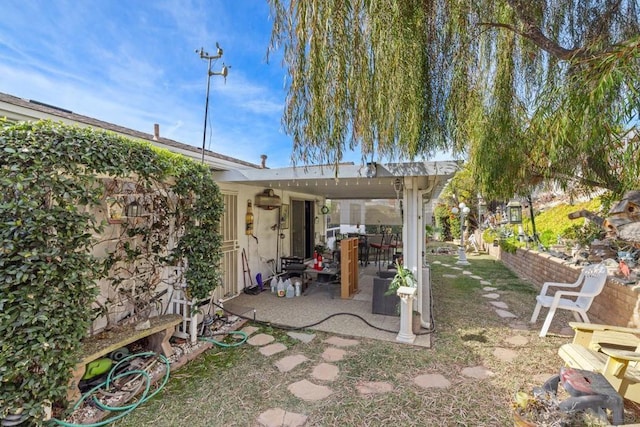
(422, 183)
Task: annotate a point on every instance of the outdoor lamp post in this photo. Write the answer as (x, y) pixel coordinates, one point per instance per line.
(463, 210)
(482, 209)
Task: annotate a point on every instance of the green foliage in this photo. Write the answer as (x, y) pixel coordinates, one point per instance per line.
(526, 91)
(51, 175)
(554, 223)
(403, 277)
(509, 245)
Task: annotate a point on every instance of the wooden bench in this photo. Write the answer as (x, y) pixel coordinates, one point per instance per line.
(99, 345)
(610, 350)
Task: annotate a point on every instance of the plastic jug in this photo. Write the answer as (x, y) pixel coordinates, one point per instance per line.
(281, 288)
(290, 289)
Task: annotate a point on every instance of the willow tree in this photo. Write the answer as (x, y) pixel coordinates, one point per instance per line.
(525, 90)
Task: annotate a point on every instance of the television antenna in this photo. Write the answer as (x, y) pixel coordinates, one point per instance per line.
(223, 72)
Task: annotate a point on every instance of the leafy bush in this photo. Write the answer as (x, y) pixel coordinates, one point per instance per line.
(554, 222)
(51, 180)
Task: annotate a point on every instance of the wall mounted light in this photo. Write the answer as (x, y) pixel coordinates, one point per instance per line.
(134, 209)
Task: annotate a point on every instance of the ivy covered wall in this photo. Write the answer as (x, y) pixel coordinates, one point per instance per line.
(63, 188)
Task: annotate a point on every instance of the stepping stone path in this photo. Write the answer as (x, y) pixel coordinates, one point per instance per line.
(499, 304)
(492, 296)
(309, 391)
(432, 381)
(288, 363)
(260, 339)
(477, 372)
(505, 314)
(333, 354)
(505, 354)
(326, 371)
(374, 387)
(277, 417)
(271, 349)
(249, 330)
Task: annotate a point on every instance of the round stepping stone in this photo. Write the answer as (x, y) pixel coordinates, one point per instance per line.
(260, 339)
(289, 362)
(450, 276)
(505, 314)
(489, 289)
(499, 304)
(485, 282)
(432, 381)
(333, 354)
(309, 391)
(277, 417)
(456, 268)
(341, 342)
(476, 277)
(466, 273)
(436, 262)
(325, 372)
(374, 387)
(305, 338)
(517, 340)
(478, 372)
(491, 296)
(505, 354)
(271, 349)
(249, 330)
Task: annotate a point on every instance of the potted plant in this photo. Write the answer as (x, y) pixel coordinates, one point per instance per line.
(404, 277)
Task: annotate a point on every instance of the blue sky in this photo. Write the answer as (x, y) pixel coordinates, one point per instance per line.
(133, 63)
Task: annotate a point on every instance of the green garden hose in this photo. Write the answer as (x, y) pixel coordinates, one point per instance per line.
(124, 410)
(222, 344)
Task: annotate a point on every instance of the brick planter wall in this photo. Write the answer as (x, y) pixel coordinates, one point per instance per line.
(614, 306)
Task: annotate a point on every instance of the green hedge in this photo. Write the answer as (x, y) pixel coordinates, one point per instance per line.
(49, 173)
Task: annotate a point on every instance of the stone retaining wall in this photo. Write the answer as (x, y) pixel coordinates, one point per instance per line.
(614, 306)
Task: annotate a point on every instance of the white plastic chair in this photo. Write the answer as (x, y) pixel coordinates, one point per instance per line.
(592, 278)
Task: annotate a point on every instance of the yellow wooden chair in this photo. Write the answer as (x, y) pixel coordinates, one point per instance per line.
(612, 351)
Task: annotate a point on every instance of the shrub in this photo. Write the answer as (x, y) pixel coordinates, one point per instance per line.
(51, 176)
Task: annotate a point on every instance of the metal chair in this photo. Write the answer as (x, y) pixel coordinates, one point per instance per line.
(591, 282)
(381, 247)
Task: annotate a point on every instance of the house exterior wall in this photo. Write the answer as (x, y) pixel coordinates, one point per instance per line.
(614, 306)
(268, 245)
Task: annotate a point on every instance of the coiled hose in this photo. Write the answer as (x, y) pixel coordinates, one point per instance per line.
(124, 410)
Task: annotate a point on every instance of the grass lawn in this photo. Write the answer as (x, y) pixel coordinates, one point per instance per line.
(232, 387)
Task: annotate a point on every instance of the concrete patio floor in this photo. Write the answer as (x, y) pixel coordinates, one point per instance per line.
(318, 311)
